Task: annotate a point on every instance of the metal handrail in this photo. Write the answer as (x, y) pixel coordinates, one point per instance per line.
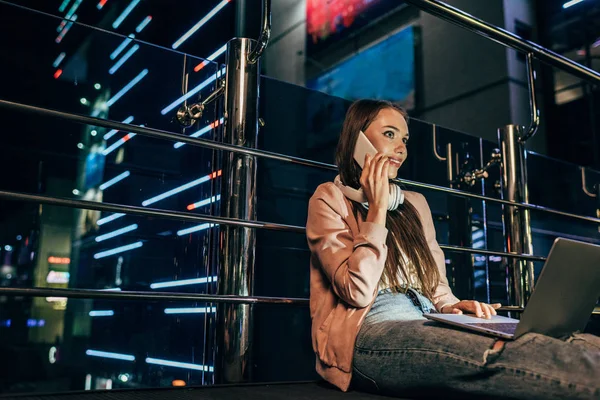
(504, 37)
(160, 134)
(533, 105)
(189, 217)
(265, 34)
(147, 296)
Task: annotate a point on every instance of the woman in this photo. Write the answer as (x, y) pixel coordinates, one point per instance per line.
(375, 272)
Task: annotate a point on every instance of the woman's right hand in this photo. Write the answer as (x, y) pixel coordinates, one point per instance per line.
(376, 186)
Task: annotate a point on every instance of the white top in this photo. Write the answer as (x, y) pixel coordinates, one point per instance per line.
(412, 276)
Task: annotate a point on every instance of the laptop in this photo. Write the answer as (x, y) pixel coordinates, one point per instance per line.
(563, 299)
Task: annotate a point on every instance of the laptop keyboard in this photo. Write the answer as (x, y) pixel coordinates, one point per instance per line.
(504, 327)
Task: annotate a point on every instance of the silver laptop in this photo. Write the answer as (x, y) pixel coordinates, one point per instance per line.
(564, 297)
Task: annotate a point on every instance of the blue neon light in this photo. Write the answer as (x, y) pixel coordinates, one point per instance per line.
(217, 53)
(112, 132)
(122, 46)
(183, 282)
(73, 8)
(204, 202)
(123, 59)
(571, 3)
(63, 5)
(199, 133)
(102, 313)
(118, 144)
(199, 24)
(191, 310)
(116, 233)
(106, 354)
(114, 180)
(177, 190)
(196, 228)
(177, 364)
(143, 24)
(59, 59)
(192, 92)
(110, 218)
(125, 13)
(118, 250)
(127, 87)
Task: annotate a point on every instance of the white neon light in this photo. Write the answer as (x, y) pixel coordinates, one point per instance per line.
(199, 133)
(118, 144)
(191, 310)
(118, 250)
(114, 180)
(112, 132)
(63, 5)
(571, 3)
(88, 382)
(143, 24)
(177, 364)
(204, 202)
(106, 354)
(110, 218)
(73, 9)
(192, 92)
(183, 282)
(122, 46)
(127, 87)
(116, 233)
(58, 277)
(199, 24)
(102, 313)
(125, 13)
(177, 190)
(123, 59)
(59, 59)
(217, 53)
(195, 229)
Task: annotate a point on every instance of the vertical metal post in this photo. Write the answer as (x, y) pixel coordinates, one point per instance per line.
(516, 221)
(234, 322)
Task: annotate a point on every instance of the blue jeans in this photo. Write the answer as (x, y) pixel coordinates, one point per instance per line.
(400, 353)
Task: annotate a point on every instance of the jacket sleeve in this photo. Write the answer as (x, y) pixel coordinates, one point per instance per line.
(353, 264)
(443, 295)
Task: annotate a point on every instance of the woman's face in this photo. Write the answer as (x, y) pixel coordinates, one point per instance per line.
(389, 134)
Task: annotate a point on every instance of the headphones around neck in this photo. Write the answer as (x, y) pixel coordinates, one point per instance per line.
(396, 194)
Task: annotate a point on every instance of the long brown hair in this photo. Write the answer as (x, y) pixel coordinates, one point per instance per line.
(405, 231)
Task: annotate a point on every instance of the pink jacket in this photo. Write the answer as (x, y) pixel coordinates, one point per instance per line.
(347, 260)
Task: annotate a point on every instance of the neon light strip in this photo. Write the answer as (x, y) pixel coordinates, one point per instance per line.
(143, 24)
(111, 290)
(61, 25)
(106, 354)
(114, 180)
(59, 59)
(201, 132)
(571, 3)
(116, 233)
(118, 144)
(181, 188)
(110, 218)
(102, 313)
(125, 13)
(63, 5)
(195, 229)
(193, 310)
(118, 250)
(123, 59)
(57, 73)
(204, 202)
(177, 364)
(199, 24)
(101, 4)
(192, 92)
(210, 58)
(122, 46)
(183, 282)
(65, 30)
(74, 8)
(127, 87)
(112, 132)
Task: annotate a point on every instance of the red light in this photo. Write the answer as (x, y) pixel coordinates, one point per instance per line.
(200, 66)
(127, 137)
(59, 260)
(215, 174)
(58, 73)
(101, 4)
(191, 207)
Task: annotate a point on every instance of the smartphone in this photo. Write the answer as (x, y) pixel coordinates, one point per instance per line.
(362, 148)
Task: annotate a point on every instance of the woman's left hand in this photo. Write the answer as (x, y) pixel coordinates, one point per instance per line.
(481, 310)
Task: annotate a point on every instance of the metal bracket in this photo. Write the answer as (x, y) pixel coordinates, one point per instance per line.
(535, 111)
(188, 115)
(471, 177)
(584, 185)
